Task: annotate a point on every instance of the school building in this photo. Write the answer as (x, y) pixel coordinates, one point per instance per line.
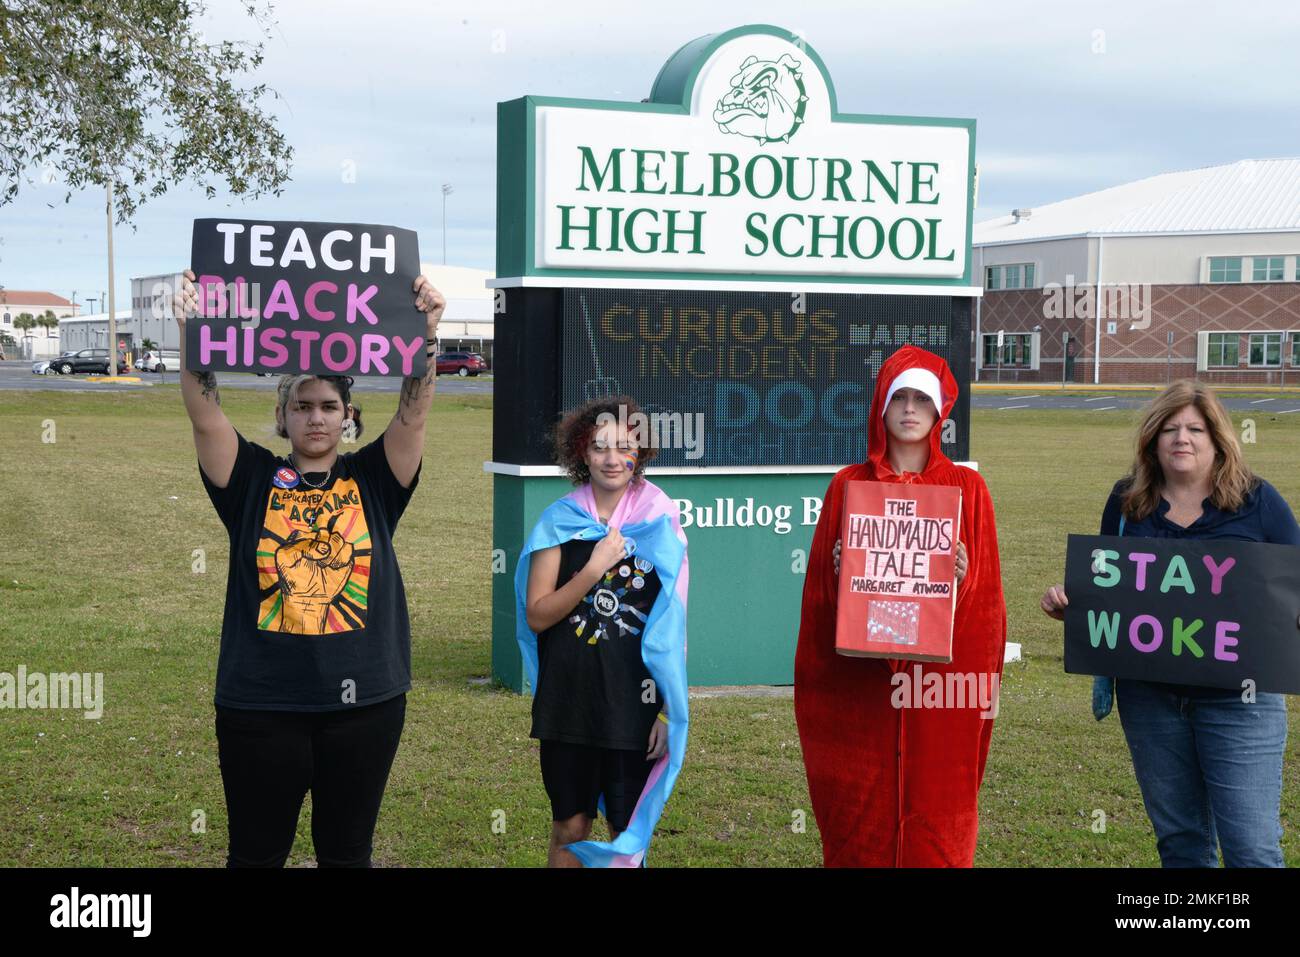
(1193, 274)
(40, 342)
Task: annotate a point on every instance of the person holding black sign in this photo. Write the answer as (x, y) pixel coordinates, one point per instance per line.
(1208, 760)
(894, 785)
(315, 657)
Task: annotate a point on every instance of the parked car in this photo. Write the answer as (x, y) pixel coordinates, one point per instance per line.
(155, 360)
(49, 366)
(460, 363)
(85, 360)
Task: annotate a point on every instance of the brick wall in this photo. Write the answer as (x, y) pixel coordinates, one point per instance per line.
(1143, 355)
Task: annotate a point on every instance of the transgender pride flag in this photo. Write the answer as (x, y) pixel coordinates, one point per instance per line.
(648, 520)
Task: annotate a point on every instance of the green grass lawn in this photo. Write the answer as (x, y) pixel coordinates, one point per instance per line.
(101, 528)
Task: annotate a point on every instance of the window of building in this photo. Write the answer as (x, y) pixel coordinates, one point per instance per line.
(1223, 349)
(1269, 268)
(6, 318)
(1265, 349)
(1010, 276)
(1017, 349)
(1295, 349)
(1225, 269)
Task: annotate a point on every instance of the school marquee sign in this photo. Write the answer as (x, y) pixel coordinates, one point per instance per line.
(739, 168)
(740, 255)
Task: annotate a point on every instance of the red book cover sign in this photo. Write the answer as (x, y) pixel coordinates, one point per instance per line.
(898, 571)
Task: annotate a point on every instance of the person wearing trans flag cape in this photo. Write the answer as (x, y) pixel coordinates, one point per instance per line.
(600, 594)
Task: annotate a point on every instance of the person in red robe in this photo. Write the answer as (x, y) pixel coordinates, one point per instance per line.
(899, 786)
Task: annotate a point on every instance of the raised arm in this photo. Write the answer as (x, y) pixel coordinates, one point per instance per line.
(404, 437)
(214, 436)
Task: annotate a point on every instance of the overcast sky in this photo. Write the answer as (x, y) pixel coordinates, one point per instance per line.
(1068, 98)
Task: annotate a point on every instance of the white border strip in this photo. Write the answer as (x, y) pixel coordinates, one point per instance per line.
(554, 471)
(735, 285)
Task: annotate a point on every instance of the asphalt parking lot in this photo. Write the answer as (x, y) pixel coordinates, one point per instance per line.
(1281, 404)
(17, 374)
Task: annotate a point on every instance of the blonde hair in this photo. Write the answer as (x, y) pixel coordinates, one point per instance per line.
(1232, 479)
(287, 391)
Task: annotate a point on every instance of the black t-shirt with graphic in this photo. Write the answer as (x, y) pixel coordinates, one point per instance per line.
(314, 597)
(590, 674)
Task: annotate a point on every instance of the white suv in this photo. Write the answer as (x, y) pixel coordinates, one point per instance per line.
(156, 360)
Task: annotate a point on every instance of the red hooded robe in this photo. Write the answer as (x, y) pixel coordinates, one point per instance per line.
(898, 786)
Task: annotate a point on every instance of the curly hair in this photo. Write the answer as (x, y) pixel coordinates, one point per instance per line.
(574, 431)
(1232, 478)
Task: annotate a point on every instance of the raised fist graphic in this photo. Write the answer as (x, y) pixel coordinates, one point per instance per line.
(312, 573)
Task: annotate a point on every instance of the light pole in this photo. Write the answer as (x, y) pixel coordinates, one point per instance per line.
(446, 191)
(112, 293)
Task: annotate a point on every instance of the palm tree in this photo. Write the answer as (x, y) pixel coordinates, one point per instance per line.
(25, 322)
(49, 321)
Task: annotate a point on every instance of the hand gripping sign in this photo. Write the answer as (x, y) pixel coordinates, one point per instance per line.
(305, 298)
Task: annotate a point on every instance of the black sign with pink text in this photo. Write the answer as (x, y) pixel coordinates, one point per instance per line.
(305, 298)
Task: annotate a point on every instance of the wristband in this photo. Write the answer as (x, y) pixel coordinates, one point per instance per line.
(662, 717)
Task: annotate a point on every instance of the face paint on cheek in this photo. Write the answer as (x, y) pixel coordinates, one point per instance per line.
(630, 461)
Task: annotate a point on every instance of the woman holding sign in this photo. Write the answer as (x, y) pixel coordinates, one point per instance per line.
(898, 785)
(315, 657)
(1208, 762)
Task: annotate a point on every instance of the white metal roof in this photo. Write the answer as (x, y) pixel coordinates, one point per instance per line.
(458, 282)
(1245, 196)
(95, 317)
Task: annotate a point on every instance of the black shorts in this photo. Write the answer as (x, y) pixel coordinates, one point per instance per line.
(575, 776)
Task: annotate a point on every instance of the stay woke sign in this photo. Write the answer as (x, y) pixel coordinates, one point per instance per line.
(1215, 613)
(309, 298)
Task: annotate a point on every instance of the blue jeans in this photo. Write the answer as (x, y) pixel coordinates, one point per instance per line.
(1210, 770)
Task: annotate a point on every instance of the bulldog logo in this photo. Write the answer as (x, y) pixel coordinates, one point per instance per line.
(766, 100)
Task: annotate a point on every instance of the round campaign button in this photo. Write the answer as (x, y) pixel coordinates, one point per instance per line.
(605, 602)
(638, 582)
(624, 571)
(285, 478)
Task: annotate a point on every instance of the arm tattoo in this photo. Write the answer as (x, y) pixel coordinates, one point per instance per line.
(410, 395)
(209, 382)
(412, 390)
